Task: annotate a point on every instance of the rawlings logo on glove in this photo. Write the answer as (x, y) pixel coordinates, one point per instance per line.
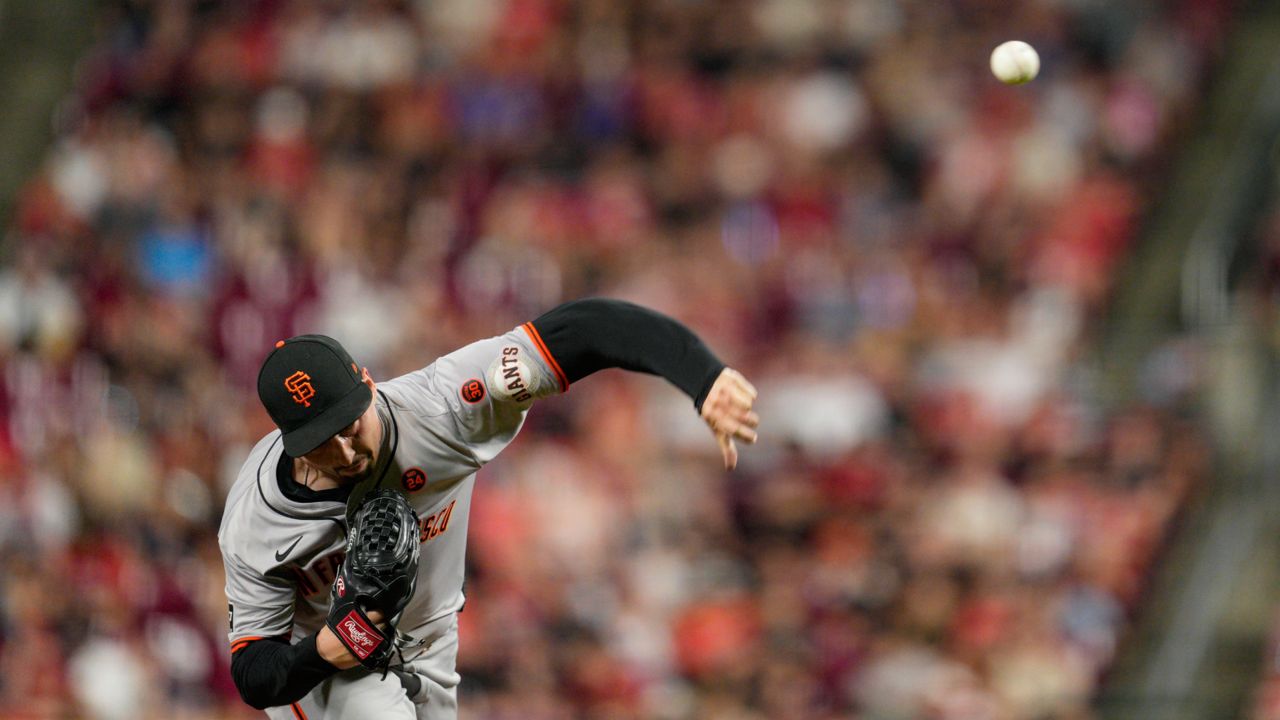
(361, 639)
(379, 573)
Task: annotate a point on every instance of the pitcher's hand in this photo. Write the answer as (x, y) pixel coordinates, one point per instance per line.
(727, 411)
(332, 649)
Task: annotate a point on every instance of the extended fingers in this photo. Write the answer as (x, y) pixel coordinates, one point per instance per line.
(727, 409)
(723, 408)
(729, 400)
(739, 425)
(738, 397)
(731, 384)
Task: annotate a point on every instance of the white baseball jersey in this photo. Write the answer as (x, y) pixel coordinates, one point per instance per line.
(281, 543)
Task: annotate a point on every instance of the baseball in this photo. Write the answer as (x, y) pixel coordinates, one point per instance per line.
(1015, 62)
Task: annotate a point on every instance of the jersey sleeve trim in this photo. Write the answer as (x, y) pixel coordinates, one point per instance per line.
(297, 712)
(243, 642)
(532, 332)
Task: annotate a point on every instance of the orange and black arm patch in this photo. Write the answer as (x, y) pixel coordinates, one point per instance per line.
(583, 336)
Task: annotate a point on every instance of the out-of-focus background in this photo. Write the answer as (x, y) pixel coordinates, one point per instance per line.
(1016, 347)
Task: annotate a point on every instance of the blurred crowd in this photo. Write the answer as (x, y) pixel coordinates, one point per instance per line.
(1266, 696)
(943, 520)
(1261, 284)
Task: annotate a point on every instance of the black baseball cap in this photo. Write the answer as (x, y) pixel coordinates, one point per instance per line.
(312, 389)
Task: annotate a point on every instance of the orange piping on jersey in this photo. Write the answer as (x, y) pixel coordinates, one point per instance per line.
(297, 711)
(242, 643)
(532, 332)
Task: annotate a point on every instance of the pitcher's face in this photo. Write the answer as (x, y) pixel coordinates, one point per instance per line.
(350, 455)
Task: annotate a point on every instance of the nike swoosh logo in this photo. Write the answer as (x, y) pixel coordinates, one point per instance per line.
(282, 554)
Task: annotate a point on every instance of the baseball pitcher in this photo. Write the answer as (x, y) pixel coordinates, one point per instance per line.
(344, 535)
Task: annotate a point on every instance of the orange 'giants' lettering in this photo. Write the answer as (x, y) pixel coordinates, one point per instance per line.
(434, 524)
(511, 374)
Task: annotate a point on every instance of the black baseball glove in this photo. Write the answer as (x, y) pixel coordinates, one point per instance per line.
(379, 573)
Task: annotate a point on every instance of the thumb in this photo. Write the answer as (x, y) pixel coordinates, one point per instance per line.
(728, 450)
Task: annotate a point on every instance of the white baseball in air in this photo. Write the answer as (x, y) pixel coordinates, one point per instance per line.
(1015, 62)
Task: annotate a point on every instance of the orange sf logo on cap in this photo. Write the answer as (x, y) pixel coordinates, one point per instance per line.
(299, 386)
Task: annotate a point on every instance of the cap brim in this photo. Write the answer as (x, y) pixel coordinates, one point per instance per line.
(320, 428)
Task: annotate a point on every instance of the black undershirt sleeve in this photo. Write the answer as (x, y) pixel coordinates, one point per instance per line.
(271, 672)
(593, 334)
